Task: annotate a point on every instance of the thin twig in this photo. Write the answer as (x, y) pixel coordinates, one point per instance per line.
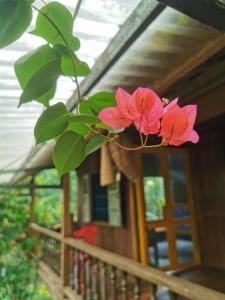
(77, 9)
(135, 148)
(141, 138)
(146, 139)
(98, 133)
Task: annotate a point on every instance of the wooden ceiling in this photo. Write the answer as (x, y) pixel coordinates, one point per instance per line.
(170, 48)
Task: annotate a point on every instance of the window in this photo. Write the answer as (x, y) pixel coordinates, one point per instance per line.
(153, 187)
(99, 198)
(101, 203)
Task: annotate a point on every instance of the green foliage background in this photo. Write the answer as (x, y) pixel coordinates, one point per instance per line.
(48, 208)
(18, 275)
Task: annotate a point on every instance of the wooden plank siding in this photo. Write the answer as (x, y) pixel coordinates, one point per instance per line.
(207, 169)
(122, 240)
(204, 86)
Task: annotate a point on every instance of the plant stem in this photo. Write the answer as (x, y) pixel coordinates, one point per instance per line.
(98, 133)
(67, 45)
(135, 148)
(123, 147)
(146, 139)
(53, 24)
(141, 138)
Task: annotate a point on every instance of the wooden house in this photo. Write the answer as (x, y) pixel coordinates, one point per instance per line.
(161, 217)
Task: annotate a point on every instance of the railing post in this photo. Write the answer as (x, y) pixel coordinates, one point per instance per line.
(65, 231)
(32, 202)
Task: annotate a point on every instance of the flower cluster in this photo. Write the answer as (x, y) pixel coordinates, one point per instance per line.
(150, 115)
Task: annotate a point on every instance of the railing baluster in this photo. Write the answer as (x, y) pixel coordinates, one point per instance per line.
(76, 272)
(58, 257)
(112, 283)
(137, 290)
(71, 269)
(88, 276)
(82, 274)
(124, 285)
(51, 256)
(95, 280)
(74, 266)
(47, 251)
(152, 291)
(102, 280)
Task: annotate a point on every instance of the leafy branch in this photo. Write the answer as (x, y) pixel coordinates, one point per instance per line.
(65, 41)
(99, 118)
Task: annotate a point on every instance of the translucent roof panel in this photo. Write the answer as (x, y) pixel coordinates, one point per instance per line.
(97, 23)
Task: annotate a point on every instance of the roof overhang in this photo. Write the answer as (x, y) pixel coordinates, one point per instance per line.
(156, 47)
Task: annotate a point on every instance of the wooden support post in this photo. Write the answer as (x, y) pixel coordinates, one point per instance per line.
(66, 231)
(142, 235)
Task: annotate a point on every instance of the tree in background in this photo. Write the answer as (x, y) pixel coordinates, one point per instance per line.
(48, 202)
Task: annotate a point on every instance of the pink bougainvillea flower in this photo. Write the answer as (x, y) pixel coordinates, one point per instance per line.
(123, 114)
(144, 108)
(148, 124)
(114, 118)
(150, 109)
(125, 103)
(145, 100)
(177, 124)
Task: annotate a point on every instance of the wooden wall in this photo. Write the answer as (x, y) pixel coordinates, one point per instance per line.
(208, 174)
(122, 240)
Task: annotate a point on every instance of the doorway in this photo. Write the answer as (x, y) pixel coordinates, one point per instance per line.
(170, 231)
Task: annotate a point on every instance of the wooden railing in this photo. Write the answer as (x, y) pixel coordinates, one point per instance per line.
(107, 275)
(99, 274)
(50, 244)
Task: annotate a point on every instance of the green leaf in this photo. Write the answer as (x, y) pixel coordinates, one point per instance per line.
(83, 119)
(15, 17)
(37, 73)
(58, 14)
(70, 64)
(96, 103)
(69, 152)
(47, 96)
(41, 82)
(95, 143)
(79, 128)
(51, 123)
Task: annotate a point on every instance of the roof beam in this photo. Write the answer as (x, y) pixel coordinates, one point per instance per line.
(209, 12)
(29, 186)
(27, 170)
